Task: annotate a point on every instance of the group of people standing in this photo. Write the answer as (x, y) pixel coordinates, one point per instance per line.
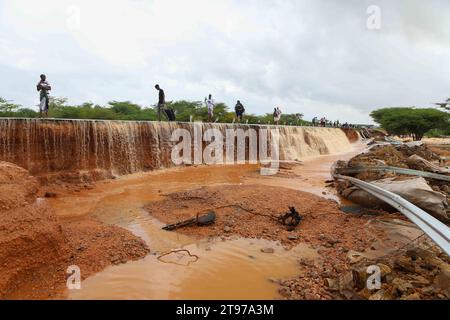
(324, 122)
(43, 87)
(209, 102)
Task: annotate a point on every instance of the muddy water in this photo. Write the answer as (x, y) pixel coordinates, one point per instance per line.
(232, 269)
(222, 267)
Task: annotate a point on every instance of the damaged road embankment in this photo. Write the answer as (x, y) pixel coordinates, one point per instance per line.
(36, 248)
(419, 269)
(428, 187)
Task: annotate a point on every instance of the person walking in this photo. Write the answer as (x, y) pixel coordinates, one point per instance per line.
(210, 104)
(239, 109)
(43, 87)
(276, 115)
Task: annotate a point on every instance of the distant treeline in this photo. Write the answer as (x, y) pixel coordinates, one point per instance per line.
(126, 110)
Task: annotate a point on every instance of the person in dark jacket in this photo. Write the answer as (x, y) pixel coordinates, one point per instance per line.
(239, 109)
(161, 101)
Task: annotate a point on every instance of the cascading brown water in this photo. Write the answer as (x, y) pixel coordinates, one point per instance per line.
(122, 147)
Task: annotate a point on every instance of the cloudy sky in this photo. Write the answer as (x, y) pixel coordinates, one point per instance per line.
(317, 57)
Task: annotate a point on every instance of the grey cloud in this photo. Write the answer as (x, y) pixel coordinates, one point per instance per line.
(315, 57)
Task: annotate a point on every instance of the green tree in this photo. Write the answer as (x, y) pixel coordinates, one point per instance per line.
(7, 107)
(411, 121)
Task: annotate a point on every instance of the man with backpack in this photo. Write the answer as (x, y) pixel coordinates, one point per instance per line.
(239, 109)
(162, 105)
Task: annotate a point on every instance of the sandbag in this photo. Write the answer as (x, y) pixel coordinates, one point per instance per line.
(415, 190)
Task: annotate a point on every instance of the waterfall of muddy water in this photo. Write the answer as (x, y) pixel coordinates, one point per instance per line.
(123, 147)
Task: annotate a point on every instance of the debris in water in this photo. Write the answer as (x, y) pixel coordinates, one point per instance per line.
(204, 220)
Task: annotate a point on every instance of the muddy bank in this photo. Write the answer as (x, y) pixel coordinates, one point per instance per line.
(245, 210)
(36, 247)
(249, 211)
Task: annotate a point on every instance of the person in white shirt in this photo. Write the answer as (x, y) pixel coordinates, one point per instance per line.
(210, 103)
(276, 115)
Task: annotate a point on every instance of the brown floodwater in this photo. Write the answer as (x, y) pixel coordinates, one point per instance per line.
(231, 269)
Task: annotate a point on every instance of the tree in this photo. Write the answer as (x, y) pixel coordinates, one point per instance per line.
(6, 106)
(411, 121)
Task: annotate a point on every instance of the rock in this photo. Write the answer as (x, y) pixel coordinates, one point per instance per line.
(267, 250)
(285, 291)
(385, 270)
(428, 290)
(310, 296)
(414, 296)
(354, 257)
(442, 280)
(380, 295)
(50, 194)
(418, 280)
(293, 236)
(346, 285)
(332, 284)
(416, 253)
(404, 264)
(227, 229)
(360, 278)
(402, 286)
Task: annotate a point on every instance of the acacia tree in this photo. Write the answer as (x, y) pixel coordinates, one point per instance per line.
(411, 121)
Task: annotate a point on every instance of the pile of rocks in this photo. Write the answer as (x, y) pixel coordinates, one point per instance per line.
(415, 274)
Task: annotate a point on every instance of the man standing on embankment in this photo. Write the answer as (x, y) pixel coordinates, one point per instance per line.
(43, 87)
(161, 101)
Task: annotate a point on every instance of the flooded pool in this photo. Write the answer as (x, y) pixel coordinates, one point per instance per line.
(225, 269)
